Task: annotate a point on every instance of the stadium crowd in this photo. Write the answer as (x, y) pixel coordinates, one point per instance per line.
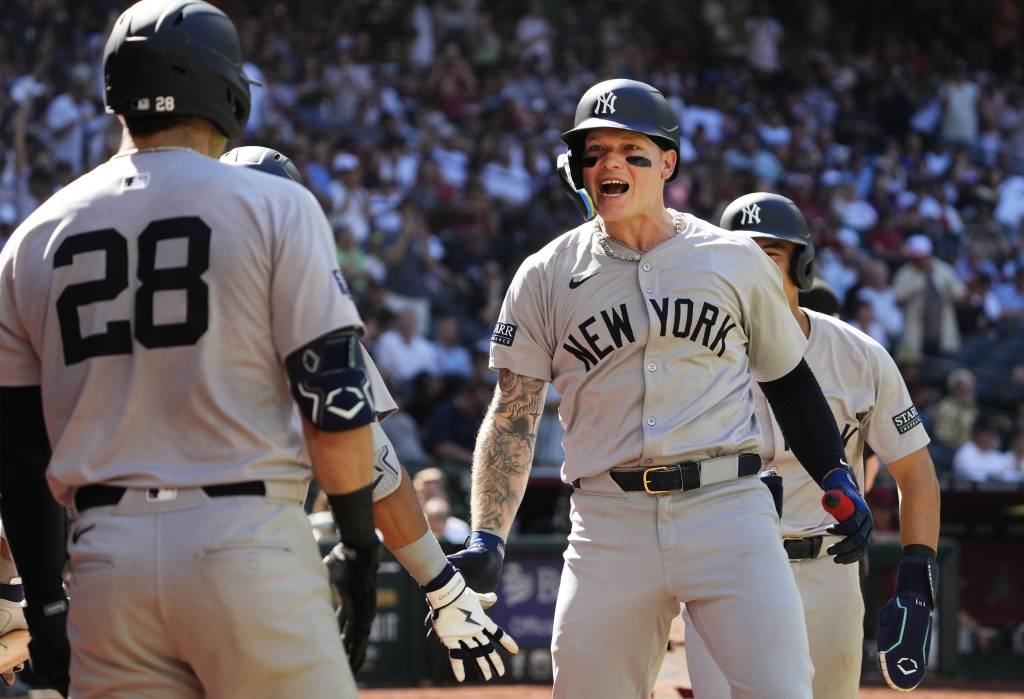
(428, 130)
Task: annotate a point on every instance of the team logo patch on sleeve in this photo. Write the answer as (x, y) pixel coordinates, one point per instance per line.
(907, 420)
(340, 279)
(504, 334)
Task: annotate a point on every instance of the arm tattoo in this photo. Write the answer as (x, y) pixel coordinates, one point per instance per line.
(504, 450)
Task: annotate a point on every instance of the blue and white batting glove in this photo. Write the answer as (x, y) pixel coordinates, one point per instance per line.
(481, 561)
(458, 618)
(843, 501)
(905, 622)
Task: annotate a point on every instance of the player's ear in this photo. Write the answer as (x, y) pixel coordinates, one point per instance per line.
(668, 163)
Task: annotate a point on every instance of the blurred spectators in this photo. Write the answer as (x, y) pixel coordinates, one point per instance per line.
(447, 529)
(402, 352)
(953, 417)
(927, 288)
(428, 131)
(450, 432)
(980, 459)
(402, 430)
(1010, 296)
(451, 358)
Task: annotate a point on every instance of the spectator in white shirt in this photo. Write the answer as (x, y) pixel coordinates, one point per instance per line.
(876, 291)
(402, 352)
(839, 266)
(960, 107)
(980, 459)
(66, 119)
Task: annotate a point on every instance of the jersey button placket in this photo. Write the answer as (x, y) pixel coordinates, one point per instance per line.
(653, 394)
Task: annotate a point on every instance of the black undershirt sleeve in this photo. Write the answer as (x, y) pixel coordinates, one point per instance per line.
(34, 522)
(806, 421)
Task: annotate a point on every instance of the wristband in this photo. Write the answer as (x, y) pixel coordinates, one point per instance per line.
(491, 542)
(919, 550)
(353, 513)
(442, 579)
(918, 576)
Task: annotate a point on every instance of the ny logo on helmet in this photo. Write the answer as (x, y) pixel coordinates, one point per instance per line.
(751, 214)
(605, 103)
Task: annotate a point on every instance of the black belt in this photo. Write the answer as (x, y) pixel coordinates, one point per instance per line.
(684, 476)
(99, 495)
(802, 549)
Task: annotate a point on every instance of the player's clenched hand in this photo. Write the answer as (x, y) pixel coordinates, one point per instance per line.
(843, 501)
(48, 646)
(481, 561)
(353, 572)
(458, 618)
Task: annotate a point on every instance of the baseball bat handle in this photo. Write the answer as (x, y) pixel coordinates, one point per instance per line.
(838, 505)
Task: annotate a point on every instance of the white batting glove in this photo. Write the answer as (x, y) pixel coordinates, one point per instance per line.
(458, 617)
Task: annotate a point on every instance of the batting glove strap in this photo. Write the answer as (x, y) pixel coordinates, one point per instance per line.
(449, 592)
(459, 621)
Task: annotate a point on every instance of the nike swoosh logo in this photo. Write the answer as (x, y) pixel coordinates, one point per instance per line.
(576, 281)
(674, 128)
(78, 534)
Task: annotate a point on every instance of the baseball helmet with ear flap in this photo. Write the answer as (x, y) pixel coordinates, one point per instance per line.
(615, 104)
(766, 215)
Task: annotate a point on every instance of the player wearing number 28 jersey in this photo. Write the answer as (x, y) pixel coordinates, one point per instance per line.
(163, 315)
(153, 261)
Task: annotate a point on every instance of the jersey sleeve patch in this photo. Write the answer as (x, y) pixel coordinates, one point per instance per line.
(907, 420)
(504, 334)
(340, 279)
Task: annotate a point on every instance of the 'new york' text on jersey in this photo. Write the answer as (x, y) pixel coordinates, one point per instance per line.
(653, 358)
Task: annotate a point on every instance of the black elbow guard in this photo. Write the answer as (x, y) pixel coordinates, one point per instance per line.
(329, 382)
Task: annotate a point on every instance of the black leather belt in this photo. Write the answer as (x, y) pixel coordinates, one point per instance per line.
(802, 549)
(99, 495)
(684, 476)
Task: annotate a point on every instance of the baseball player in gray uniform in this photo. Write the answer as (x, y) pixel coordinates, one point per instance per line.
(161, 314)
(457, 616)
(653, 325)
(871, 405)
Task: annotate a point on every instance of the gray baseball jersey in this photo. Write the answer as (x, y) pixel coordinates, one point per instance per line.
(870, 402)
(653, 359)
(154, 300)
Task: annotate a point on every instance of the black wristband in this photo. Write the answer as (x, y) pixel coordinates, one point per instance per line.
(353, 513)
(919, 550)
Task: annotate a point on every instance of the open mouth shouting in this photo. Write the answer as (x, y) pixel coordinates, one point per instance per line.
(612, 188)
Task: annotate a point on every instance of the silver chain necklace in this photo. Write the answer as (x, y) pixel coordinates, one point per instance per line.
(678, 221)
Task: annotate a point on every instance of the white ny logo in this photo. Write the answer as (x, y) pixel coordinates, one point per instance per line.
(751, 214)
(606, 103)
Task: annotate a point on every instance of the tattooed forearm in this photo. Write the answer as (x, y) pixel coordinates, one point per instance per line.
(504, 450)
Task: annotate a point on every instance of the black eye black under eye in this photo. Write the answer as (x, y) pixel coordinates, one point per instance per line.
(589, 161)
(639, 161)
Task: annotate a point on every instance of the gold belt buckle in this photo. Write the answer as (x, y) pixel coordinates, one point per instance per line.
(647, 488)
